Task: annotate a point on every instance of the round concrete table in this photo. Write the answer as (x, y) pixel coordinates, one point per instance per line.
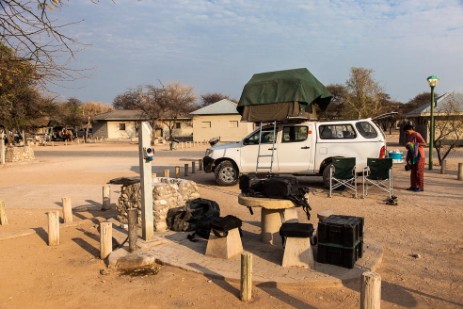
(274, 213)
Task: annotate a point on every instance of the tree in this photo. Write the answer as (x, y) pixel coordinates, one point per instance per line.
(213, 97)
(337, 104)
(179, 102)
(131, 99)
(164, 103)
(17, 91)
(27, 29)
(364, 97)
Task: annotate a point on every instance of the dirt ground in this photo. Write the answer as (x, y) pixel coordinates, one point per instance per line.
(422, 238)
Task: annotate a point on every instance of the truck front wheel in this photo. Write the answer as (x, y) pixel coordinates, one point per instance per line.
(226, 174)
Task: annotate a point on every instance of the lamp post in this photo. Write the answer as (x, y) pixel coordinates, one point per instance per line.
(432, 81)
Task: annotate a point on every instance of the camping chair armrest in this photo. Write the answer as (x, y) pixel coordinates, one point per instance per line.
(354, 171)
(366, 171)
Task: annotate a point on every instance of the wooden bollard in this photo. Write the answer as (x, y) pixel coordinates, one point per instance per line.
(106, 197)
(133, 236)
(3, 218)
(177, 172)
(53, 228)
(200, 164)
(67, 209)
(106, 239)
(166, 173)
(460, 171)
(193, 167)
(370, 292)
(185, 172)
(246, 277)
(443, 166)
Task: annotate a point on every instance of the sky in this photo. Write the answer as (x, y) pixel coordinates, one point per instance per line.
(217, 45)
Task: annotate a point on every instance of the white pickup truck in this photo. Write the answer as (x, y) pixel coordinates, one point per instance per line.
(299, 148)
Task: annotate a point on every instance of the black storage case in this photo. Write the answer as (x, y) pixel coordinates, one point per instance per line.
(298, 230)
(340, 256)
(345, 231)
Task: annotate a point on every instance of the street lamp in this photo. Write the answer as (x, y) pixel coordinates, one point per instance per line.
(432, 81)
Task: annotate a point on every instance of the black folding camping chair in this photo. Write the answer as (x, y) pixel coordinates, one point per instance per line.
(378, 173)
(342, 174)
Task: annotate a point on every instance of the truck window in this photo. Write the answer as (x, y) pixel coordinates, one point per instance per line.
(366, 129)
(267, 138)
(337, 131)
(295, 134)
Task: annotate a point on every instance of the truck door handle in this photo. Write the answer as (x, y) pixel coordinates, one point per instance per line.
(305, 147)
(272, 149)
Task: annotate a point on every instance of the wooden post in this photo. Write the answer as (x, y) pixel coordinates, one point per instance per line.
(200, 164)
(246, 277)
(166, 173)
(193, 167)
(3, 218)
(186, 169)
(106, 239)
(443, 166)
(2, 148)
(177, 172)
(133, 220)
(53, 228)
(106, 197)
(370, 293)
(67, 209)
(460, 171)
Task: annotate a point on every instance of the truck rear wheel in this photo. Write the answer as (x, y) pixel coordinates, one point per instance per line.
(226, 174)
(326, 176)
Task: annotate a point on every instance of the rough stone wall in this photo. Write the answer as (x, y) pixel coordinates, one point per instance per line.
(19, 154)
(167, 193)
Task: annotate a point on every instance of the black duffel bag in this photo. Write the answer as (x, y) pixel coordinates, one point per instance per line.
(222, 225)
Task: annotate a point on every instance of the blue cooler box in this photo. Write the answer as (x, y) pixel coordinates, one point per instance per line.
(396, 156)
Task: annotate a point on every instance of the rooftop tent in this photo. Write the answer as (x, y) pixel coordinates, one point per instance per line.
(282, 95)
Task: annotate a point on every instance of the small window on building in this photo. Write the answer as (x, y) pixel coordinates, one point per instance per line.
(233, 124)
(178, 125)
(122, 126)
(205, 124)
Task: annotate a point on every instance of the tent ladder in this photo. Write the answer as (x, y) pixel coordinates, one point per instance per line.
(265, 136)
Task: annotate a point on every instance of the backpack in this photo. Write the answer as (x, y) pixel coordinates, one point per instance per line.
(278, 187)
(196, 215)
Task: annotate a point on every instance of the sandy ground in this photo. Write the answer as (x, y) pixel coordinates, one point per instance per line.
(422, 238)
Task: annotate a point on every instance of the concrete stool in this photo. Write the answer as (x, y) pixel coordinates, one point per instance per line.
(298, 252)
(224, 247)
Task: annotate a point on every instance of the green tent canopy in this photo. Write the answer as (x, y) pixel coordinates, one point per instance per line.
(282, 95)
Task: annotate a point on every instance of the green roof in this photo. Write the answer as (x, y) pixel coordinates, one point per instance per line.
(298, 85)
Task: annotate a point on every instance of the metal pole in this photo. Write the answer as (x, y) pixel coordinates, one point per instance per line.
(144, 142)
(431, 129)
